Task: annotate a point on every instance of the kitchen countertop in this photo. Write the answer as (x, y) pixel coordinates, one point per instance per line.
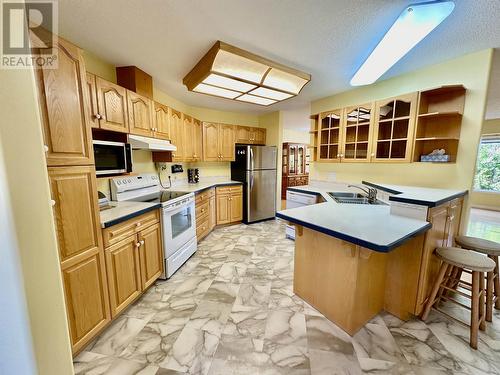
(418, 195)
(122, 211)
(205, 184)
(370, 226)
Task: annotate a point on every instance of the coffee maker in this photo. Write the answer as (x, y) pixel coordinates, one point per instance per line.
(193, 175)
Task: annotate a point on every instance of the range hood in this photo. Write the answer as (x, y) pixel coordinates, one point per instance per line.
(138, 142)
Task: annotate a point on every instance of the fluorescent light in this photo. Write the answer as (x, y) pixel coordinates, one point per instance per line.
(272, 94)
(239, 67)
(255, 99)
(212, 90)
(228, 83)
(412, 25)
(284, 81)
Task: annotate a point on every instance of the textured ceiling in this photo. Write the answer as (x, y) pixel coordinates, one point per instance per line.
(327, 38)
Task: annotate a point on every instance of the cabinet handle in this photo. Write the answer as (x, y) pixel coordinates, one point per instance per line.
(141, 242)
(45, 148)
(202, 210)
(138, 224)
(372, 154)
(52, 202)
(138, 244)
(98, 116)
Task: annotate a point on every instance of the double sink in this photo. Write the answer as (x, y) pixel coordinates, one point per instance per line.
(353, 198)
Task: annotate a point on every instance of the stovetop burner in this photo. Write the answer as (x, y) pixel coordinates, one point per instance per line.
(162, 196)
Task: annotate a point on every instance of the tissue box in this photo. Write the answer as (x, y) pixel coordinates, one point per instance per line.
(435, 158)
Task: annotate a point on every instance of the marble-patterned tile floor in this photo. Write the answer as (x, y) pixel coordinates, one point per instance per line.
(231, 310)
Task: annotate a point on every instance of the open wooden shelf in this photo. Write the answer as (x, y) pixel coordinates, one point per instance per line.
(439, 121)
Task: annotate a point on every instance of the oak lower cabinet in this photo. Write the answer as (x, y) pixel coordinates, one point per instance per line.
(445, 220)
(229, 201)
(205, 212)
(64, 105)
(134, 258)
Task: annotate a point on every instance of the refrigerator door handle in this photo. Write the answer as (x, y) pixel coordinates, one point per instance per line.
(251, 158)
(251, 181)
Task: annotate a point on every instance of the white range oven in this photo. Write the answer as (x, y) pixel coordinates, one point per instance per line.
(178, 219)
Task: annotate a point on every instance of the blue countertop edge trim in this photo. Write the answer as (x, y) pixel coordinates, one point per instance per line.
(414, 201)
(130, 216)
(354, 240)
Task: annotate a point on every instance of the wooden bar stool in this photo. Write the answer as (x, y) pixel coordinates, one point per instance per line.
(492, 250)
(456, 258)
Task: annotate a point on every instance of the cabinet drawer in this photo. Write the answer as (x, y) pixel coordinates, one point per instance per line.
(230, 189)
(202, 228)
(202, 209)
(205, 195)
(128, 228)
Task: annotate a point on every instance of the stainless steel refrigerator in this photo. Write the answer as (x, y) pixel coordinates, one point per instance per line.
(255, 167)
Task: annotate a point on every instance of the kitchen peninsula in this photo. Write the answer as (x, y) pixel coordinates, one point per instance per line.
(354, 260)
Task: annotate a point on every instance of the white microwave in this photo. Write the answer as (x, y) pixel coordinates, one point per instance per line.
(112, 157)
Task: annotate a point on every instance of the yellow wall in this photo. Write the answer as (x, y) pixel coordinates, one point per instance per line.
(290, 135)
(473, 72)
(273, 122)
(489, 200)
(24, 157)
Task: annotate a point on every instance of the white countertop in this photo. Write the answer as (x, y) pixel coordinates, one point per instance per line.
(122, 211)
(202, 185)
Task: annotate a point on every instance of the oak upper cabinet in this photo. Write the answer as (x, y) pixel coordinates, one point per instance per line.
(229, 200)
(189, 146)
(64, 107)
(93, 110)
(357, 133)
(74, 193)
(140, 114)
(112, 106)
(161, 121)
(250, 135)
(211, 151)
(177, 134)
(150, 255)
(258, 136)
(197, 135)
(394, 128)
(226, 142)
(124, 276)
(330, 134)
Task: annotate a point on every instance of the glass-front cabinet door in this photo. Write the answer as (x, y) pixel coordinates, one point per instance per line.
(394, 127)
(357, 134)
(330, 136)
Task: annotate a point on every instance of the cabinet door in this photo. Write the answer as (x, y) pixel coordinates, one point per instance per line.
(211, 142)
(223, 209)
(177, 134)
(357, 134)
(161, 122)
(330, 134)
(243, 134)
(112, 105)
(86, 296)
(187, 128)
(259, 137)
(434, 237)
(236, 201)
(150, 255)
(124, 275)
(393, 132)
(140, 114)
(226, 142)
(197, 140)
(74, 192)
(212, 213)
(93, 111)
(64, 107)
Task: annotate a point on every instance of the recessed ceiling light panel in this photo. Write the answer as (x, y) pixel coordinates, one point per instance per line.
(229, 68)
(412, 25)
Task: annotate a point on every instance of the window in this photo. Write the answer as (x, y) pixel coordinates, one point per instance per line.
(488, 165)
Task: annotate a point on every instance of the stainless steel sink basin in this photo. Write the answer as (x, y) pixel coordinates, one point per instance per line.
(353, 198)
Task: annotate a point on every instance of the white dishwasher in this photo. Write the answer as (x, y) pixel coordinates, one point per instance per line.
(295, 199)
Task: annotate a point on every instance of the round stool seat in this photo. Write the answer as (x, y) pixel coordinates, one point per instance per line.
(465, 259)
(478, 244)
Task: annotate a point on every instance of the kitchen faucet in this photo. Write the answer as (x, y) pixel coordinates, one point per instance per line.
(371, 192)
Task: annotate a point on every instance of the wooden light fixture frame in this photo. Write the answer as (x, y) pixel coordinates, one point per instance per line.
(204, 68)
